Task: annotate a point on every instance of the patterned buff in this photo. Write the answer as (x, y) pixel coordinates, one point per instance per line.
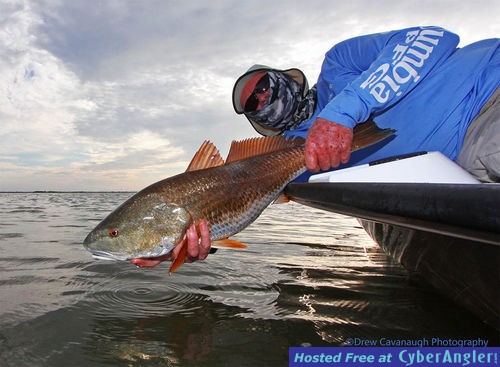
(286, 108)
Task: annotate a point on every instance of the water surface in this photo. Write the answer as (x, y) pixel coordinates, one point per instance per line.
(308, 277)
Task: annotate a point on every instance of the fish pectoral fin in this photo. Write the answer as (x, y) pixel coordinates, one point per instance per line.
(181, 257)
(226, 242)
(206, 157)
(179, 260)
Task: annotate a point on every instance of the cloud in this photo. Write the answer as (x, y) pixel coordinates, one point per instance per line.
(118, 94)
(40, 99)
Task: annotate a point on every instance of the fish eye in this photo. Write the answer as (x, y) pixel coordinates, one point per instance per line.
(114, 232)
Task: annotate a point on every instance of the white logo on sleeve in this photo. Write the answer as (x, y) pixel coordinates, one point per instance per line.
(407, 59)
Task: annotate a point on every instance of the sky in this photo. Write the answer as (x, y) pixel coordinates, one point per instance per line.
(115, 94)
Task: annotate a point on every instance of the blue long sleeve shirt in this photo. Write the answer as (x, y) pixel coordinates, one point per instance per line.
(415, 81)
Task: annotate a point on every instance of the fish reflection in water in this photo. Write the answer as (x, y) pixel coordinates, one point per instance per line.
(307, 278)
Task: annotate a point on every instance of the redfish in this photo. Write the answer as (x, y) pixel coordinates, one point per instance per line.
(227, 195)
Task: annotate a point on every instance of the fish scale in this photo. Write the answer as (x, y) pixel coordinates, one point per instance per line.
(230, 197)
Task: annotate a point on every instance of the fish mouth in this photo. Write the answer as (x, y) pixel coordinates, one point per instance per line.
(109, 256)
(113, 256)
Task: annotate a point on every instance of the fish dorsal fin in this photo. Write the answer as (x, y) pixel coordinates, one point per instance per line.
(257, 146)
(206, 157)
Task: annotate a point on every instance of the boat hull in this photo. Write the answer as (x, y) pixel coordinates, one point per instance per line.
(447, 234)
(465, 271)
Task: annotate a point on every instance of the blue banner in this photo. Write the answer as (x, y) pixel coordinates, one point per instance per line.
(392, 357)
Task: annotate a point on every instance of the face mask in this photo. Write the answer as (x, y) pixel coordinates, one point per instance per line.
(286, 107)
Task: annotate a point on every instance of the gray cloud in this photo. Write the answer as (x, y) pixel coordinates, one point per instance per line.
(84, 82)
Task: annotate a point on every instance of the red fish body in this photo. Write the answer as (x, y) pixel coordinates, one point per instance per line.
(228, 195)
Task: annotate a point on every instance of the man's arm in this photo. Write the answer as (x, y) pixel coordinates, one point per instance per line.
(397, 62)
(367, 75)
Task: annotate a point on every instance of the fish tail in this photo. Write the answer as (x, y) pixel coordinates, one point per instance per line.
(368, 133)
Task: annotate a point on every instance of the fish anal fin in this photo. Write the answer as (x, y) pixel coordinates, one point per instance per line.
(206, 157)
(368, 133)
(282, 199)
(226, 242)
(257, 146)
(179, 260)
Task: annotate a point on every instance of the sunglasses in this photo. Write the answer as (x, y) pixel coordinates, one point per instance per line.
(253, 100)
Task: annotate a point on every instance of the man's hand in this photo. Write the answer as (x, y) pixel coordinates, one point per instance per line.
(327, 145)
(198, 247)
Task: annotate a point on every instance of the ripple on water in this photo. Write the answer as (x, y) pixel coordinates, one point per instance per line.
(7, 236)
(127, 295)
